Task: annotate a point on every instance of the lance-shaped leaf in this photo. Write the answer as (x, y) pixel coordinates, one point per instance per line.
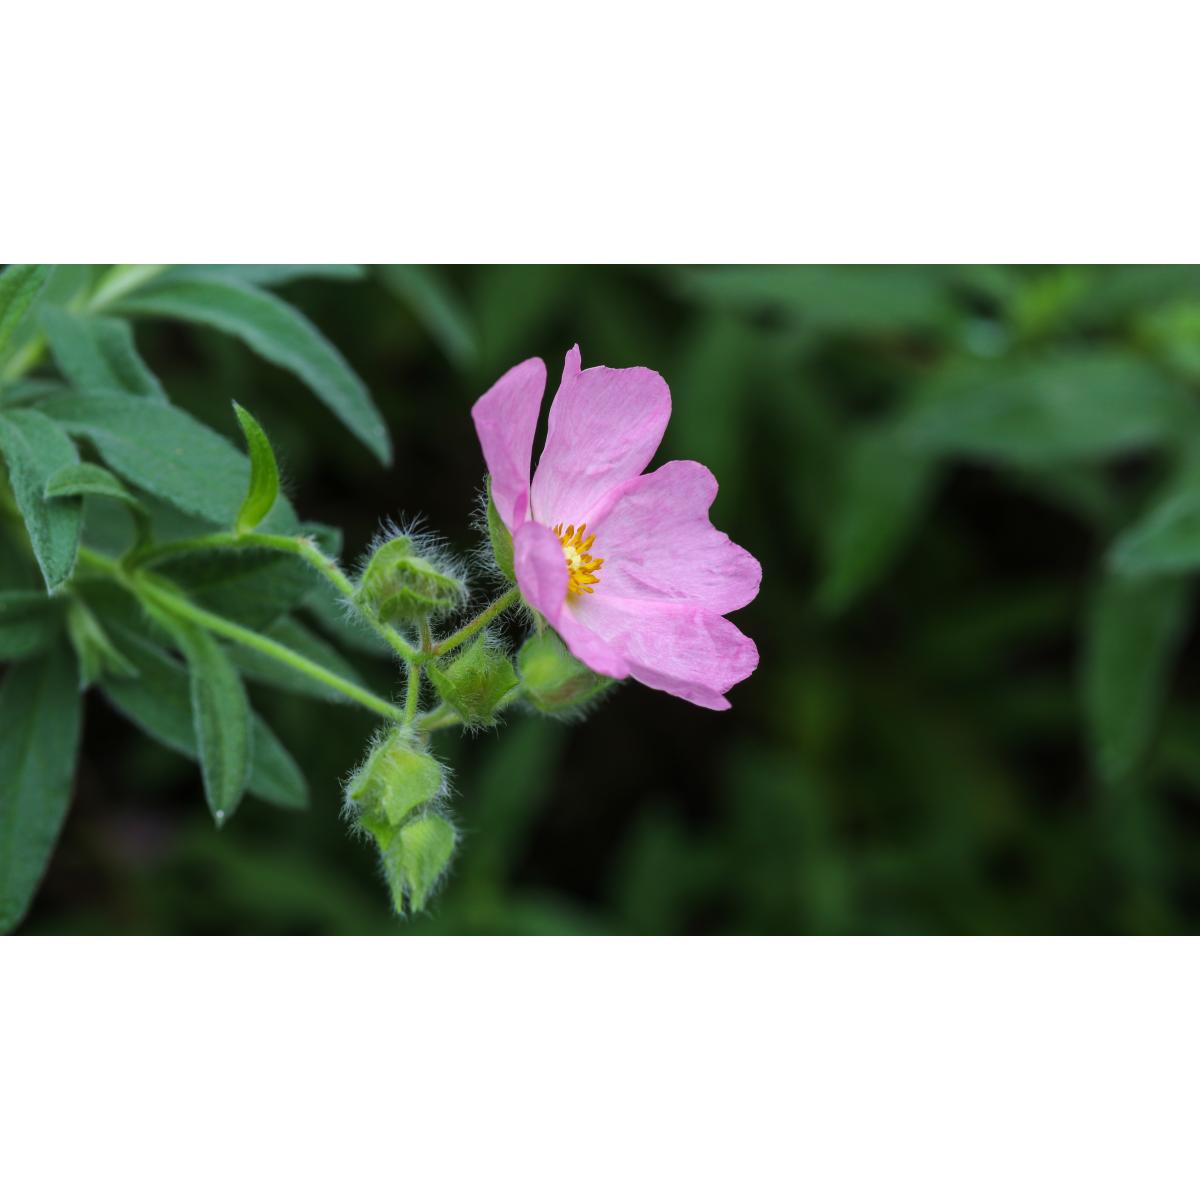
(158, 702)
(1134, 630)
(19, 286)
(220, 713)
(279, 333)
(165, 452)
(35, 448)
(40, 714)
(98, 353)
(263, 488)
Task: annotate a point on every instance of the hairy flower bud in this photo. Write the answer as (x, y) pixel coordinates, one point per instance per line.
(417, 858)
(401, 586)
(398, 777)
(475, 682)
(554, 682)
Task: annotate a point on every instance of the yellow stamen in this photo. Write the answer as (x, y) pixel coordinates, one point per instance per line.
(581, 566)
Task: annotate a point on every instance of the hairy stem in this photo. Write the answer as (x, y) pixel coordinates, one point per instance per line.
(161, 594)
(304, 548)
(485, 618)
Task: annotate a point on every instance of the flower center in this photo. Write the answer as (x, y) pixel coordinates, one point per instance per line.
(581, 566)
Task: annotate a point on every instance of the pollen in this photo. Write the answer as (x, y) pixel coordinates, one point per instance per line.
(581, 566)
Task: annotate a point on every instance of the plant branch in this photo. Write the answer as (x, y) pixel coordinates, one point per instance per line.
(156, 592)
(484, 619)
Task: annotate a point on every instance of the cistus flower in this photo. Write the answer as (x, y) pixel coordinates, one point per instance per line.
(626, 567)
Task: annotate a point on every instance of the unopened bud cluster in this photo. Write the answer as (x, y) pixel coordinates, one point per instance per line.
(394, 797)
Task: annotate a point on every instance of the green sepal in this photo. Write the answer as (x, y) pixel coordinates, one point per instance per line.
(263, 489)
(475, 682)
(500, 538)
(398, 777)
(401, 587)
(416, 859)
(552, 681)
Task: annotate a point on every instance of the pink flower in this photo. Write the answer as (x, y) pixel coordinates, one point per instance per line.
(626, 567)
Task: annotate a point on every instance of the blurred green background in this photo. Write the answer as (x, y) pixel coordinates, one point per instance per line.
(975, 493)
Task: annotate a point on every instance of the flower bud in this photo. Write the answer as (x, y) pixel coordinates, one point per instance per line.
(398, 777)
(500, 538)
(401, 586)
(552, 680)
(416, 858)
(475, 682)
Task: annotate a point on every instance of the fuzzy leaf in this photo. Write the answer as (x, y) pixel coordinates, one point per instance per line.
(279, 333)
(34, 448)
(98, 353)
(19, 286)
(165, 452)
(158, 702)
(263, 489)
(222, 718)
(88, 479)
(40, 714)
(1133, 633)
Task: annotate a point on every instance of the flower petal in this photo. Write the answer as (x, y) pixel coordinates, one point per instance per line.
(506, 418)
(677, 648)
(605, 426)
(540, 568)
(658, 543)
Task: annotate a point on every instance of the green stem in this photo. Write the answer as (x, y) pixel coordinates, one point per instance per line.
(413, 698)
(484, 619)
(303, 548)
(161, 594)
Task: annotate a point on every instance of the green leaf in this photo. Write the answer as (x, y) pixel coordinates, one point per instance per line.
(1134, 630)
(438, 309)
(1165, 541)
(1078, 407)
(263, 488)
(261, 668)
(96, 654)
(828, 299)
(221, 714)
(165, 452)
(158, 701)
(884, 491)
(40, 714)
(98, 353)
(279, 333)
(19, 286)
(34, 448)
(88, 479)
(29, 623)
(270, 275)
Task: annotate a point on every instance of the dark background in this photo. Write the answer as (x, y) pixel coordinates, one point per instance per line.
(912, 754)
